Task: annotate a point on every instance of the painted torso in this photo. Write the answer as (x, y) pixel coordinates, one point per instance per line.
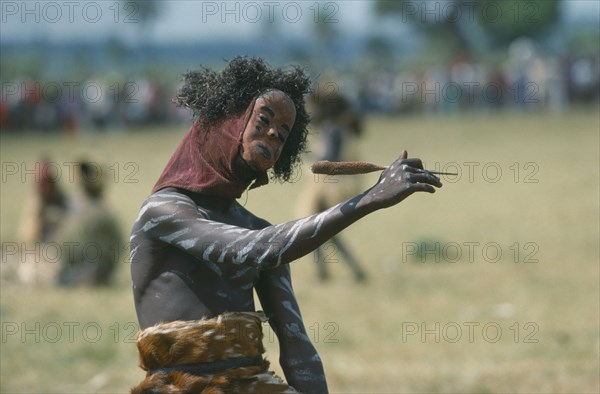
(170, 284)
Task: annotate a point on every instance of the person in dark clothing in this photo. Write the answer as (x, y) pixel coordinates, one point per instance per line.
(339, 127)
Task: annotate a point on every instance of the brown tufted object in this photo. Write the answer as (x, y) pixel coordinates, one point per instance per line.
(227, 336)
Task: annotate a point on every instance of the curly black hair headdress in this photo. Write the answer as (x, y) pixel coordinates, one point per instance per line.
(214, 96)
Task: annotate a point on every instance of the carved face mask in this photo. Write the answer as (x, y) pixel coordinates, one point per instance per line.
(267, 130)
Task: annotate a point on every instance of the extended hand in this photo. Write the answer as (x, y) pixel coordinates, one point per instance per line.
(401, 179)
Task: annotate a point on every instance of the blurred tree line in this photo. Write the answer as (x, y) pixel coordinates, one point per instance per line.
(473, 26)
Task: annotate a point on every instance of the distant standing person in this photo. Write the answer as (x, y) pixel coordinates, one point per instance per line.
(340, 127)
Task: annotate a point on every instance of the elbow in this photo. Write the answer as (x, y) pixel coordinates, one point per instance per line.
(268, 263)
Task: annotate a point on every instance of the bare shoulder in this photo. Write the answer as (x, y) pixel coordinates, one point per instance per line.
(167, 196)
(168, 203)
(253, 221)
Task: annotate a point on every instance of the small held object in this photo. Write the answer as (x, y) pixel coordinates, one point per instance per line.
(353, 168)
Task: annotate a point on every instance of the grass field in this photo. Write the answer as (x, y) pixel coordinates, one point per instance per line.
(504, 296)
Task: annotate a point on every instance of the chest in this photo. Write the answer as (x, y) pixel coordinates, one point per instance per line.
(204, 271)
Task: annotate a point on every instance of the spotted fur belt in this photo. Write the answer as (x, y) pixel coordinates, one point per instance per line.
(220, 355)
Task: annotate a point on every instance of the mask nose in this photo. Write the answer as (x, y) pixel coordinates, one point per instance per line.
(275, 135)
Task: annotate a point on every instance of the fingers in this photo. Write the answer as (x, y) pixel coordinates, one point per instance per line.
(420, 176)
(423, 187)
(413, 162)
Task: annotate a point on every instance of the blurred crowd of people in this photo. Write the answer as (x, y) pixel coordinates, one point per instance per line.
(95, 104)
(526, 81)
(66, 238)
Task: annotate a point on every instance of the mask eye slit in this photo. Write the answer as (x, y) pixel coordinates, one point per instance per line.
(264, 119)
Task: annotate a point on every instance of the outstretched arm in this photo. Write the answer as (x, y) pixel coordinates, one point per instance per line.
(173, 218)
(298, 357)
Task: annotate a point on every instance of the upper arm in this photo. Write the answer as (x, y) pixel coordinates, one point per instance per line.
(173, 218)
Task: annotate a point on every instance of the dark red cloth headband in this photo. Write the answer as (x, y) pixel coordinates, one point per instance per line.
(207, 160)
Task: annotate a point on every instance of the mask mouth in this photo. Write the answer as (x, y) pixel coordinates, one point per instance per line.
(264, 151)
